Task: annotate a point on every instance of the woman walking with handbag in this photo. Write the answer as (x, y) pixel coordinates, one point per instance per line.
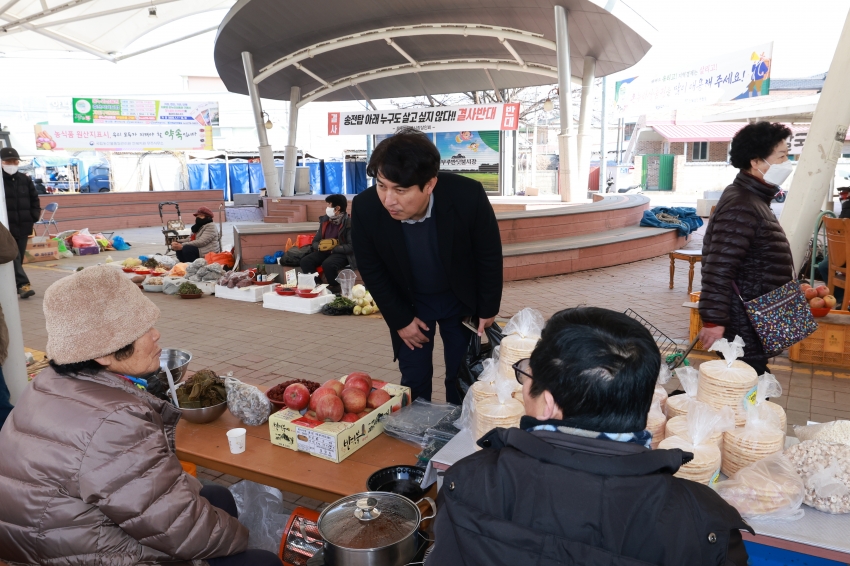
(745, 253)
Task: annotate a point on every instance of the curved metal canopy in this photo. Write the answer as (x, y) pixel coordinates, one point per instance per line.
(353, 49)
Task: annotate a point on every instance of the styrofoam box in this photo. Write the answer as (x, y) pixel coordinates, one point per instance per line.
(252, 294)
(294, 303)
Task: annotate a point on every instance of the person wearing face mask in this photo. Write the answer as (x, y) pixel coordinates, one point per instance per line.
(744, 243)
(23, 209)
(332, 249)
(204, 238)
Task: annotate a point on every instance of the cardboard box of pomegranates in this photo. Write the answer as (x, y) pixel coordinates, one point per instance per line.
(338, 419)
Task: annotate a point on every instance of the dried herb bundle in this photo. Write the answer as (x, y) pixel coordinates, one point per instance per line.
(204, 389)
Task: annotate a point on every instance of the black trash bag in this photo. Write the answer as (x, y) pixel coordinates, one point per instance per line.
(473, 363)
(337, 311)
(294, 255)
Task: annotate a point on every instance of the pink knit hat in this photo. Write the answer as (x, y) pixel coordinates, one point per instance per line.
(93, 313)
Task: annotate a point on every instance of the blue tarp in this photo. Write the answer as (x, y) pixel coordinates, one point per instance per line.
(199, 176)
(332, 178)
(315, 166)
(687, 217)
(218, 177)
(258, 180)
(240, 182)
(355, 177)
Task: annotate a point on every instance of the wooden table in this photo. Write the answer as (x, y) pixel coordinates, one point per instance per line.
(296, 472)
(691, 256)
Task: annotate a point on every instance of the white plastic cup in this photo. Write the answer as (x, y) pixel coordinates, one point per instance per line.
(236, 439)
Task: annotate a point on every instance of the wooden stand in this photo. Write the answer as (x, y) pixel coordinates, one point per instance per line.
(691, 256)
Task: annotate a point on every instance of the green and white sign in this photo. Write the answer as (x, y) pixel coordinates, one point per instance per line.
(130, 111)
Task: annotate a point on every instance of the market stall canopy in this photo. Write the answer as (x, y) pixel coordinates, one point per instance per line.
(103, 28)
(356, 49)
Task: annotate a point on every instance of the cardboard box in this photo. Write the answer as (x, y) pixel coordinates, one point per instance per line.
(41, 249)
(334, 441)
(86, 250)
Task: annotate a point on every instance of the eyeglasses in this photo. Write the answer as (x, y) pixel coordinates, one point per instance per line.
(522, 369)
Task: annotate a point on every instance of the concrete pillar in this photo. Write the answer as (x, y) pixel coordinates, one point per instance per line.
(584, 119)
(816, 167)
(290, 155)
(603, 155)
(266, 155)
(570, 189)
(15, 366)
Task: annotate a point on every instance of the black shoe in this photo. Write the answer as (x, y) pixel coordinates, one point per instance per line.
(25, 292)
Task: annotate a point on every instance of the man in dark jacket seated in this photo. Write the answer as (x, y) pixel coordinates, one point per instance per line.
(577, 483)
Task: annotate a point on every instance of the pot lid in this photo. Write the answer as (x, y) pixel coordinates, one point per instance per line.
(369, 520)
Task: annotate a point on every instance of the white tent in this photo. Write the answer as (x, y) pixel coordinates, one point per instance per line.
(103, 28)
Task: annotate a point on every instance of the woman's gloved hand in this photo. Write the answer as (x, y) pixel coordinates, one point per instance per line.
(328, 244)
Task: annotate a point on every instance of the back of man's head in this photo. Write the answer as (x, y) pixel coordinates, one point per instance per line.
(600, 366)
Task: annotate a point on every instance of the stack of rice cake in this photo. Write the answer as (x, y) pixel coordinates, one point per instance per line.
(678, 426)
(706, 460)
(513, 349)
(726, 386)
(677, 405)
(655, 423)
(742, 447)
(490, 414)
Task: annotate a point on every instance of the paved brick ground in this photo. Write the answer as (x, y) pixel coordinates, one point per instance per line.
(265, 347)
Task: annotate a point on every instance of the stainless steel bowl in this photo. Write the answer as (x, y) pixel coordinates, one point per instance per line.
(205, 415)
(175, 360)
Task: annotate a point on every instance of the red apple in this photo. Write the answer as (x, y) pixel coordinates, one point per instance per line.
(311, 415)
(817, 303)
(296, 396)
(810, 294)
(334, 384)
(330, 408)
(360, 380)
(354, 400)
(823, 291)
(318, 394)
(805, 286)
(377, 398)
(830, 301)
(361, 415)
(350, 418)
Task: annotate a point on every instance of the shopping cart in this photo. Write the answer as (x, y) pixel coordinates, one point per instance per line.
(173, 230)
(670, 350)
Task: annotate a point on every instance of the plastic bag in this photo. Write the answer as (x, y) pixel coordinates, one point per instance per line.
(704, 421)
(83, 239)
(664, 375)
(410, 423)
(225, 259)
(261, 511)
(827, 483)
(165, 261)
(768, 388)
(246, 402)
(688, 377)
(346, 279)
(527, 323)
(655, 421)
(477, 353)
(730, 351)
(835, 431)
(767, 489)
(823, 466)
(307, 280)
(170, 285)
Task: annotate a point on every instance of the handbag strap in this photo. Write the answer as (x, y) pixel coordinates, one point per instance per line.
(738, 291)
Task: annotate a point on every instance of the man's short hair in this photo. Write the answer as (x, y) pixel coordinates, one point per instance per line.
(600, 366)
(407, 158)
(337, 201)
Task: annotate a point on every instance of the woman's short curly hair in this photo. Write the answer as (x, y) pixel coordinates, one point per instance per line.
(756, 141)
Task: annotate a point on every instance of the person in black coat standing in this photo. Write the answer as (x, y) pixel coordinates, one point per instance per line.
(428, 248)
(577, 482)
(24, 210)
(744, 246)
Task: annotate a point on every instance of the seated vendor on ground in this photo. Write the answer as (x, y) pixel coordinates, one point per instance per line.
(88, 472)
(332, 249)
(577, 482)
(204, 238)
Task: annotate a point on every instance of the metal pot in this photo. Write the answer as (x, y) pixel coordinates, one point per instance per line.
(372, 529)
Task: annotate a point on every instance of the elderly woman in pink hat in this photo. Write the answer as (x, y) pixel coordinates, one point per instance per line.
(88, 473)
(204, 238)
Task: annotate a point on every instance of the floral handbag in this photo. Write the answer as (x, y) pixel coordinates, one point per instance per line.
(781, 318)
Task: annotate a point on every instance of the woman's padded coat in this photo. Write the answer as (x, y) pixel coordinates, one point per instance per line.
(89, 476)
(206, 240)
(22, 204)
(743, 243)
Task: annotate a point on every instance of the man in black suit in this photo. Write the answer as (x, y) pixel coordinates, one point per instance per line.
(428, 248)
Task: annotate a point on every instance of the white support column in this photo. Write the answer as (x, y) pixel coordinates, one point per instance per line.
(824, 143)
(290, 155)
(603, 155)
(584, 120)
(15, 366)
(567, 150)
(266, 155)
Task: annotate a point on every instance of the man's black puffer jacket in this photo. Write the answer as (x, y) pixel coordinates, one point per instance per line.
(743, 243)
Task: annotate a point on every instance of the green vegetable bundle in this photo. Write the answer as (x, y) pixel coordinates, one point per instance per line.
(189, 289)
(204, 389)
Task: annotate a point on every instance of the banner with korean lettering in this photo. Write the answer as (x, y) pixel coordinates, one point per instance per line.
(132, 111)
(123, 138)
(434, 119)
(743, 74)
